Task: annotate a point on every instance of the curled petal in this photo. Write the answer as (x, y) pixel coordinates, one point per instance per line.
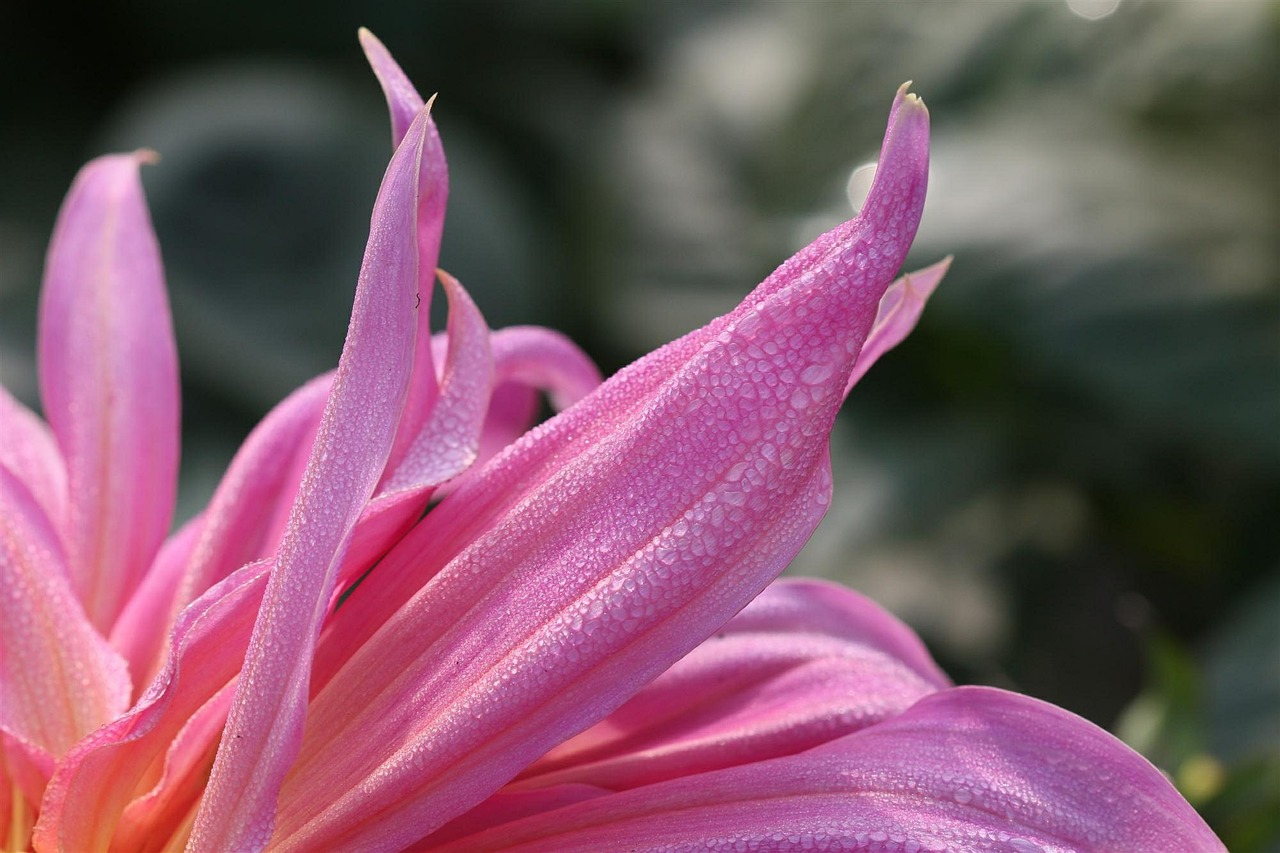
(447, 443)
(529, 360)
(545, 360)
(264, 726)
(599, 549)
(109, 382)
(965, 769)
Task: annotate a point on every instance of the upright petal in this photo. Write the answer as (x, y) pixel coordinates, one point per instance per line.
(404, 103)
(264, 725)
(603, 546)
(967, 769)
(109, 381)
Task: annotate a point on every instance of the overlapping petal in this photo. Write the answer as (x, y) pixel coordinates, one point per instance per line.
(965, 769)
(678, 491)
(556, 656)
(804, 663)
(59, 679)
(350, 452)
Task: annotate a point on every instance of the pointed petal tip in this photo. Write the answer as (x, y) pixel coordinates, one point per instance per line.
(925, 281)
(368, 41)
(146, 156)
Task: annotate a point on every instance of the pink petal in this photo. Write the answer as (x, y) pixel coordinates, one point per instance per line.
(249, 510)
(600, 548)
(506, 806)
(31, 454)
(444, 447)
(119, 763)
(545, 360)
(965, 769)
(139, 633)
(264, 726)
(447, 443)
(59, 679)
(243, 523)
(898, 313)
(804, 663)
(404, 103)
(529, 360)
(109, 381)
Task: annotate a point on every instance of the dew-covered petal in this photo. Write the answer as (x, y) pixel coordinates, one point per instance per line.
(529, 361)
(677, 492)
(123, 760)
(264, 726)
(249, 509)
(109, 382)
(449, 439)
(513, 477)
(59, 678)
(31, 454)
(965, 769)
(445, 446)
(404, 103)
(804, 663)
(139, 634)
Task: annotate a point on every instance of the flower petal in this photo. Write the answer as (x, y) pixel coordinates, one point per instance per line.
(528, 360)
(31, 454)
(804, 663)
(59, 679)
(444, 447)
(628, 529)
(966, 769)
(447, 443)
(120, 762)
(404, 103)
(140, 631)
(264, 726)
(109, 382)
(898, 313)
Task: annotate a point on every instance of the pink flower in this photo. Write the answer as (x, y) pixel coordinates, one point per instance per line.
(578, 647)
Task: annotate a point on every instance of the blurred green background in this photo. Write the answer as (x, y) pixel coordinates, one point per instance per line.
(1068, 481)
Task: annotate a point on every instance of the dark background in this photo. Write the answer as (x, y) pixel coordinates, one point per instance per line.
(1068, 480)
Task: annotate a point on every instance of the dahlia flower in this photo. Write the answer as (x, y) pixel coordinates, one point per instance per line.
(406, 620)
